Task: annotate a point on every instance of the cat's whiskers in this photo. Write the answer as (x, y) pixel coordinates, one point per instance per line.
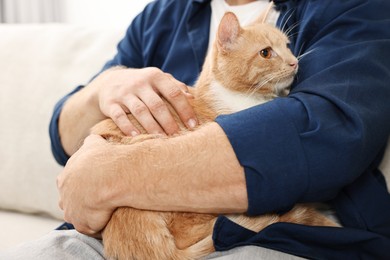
(292, 35)
(301, 56)
(291, 28)
(301, 49)
(256, 86)
(289, 17)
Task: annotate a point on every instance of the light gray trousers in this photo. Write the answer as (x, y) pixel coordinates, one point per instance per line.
(69, 244)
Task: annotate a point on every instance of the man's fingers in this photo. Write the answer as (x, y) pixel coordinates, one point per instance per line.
(143, 115)
(119, 116)
(177, 95)
(180, 84)
(142, 97)
(160, 112)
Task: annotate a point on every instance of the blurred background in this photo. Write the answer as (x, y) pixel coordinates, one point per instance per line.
(105, 13)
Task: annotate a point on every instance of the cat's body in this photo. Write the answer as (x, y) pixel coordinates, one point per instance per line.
(247, 67)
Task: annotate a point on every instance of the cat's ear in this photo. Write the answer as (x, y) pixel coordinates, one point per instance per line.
(228, 31)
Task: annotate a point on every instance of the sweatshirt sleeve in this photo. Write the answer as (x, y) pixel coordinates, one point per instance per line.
(334, 123)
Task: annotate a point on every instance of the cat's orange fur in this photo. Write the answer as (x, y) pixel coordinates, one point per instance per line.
(236, 65)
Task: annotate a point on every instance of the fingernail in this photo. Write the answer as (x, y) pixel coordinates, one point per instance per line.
(134, 133)
(192, 123)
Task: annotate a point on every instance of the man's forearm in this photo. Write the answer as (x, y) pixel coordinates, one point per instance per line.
(196, 172)
(79, 114)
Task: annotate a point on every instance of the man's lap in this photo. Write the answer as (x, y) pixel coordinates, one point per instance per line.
(61, 245)
(70, 244)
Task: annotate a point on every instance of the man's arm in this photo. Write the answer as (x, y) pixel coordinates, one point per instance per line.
(118, 91)
(206, 178)
(78, 115)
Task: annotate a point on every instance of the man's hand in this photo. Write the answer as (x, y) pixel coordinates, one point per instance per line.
(82, 187)
(118, 91)
(140, 92)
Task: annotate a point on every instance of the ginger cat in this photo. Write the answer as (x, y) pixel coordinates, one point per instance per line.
(246, 67)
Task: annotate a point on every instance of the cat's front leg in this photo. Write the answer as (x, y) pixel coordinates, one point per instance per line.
(138, 234)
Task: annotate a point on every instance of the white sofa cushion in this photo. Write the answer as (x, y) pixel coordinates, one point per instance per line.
(39, 64)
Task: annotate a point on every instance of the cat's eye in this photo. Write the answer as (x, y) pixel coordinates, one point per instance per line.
(266, 53)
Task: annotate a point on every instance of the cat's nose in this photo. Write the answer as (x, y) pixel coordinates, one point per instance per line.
(294, 65)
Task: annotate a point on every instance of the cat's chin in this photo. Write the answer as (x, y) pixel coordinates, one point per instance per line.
(282, 88)
(284, 92)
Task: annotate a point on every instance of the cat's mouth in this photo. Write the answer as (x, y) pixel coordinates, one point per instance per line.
(287, 81)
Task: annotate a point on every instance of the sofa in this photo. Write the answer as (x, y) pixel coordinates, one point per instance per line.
(39, 64)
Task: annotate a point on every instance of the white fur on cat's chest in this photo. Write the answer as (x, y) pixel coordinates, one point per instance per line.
(229, 101)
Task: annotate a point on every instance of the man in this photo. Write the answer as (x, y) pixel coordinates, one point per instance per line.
(321, 144)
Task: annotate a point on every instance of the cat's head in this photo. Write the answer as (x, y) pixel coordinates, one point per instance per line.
(255, 59)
